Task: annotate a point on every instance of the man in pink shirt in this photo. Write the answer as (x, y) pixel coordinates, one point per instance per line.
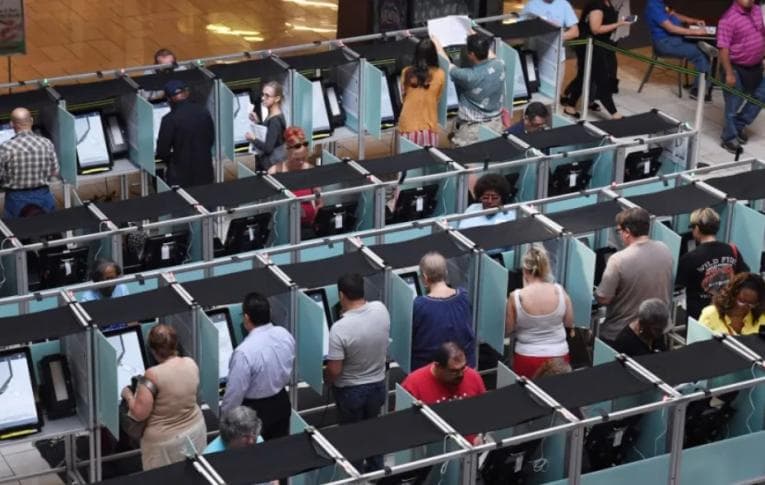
(741, 41)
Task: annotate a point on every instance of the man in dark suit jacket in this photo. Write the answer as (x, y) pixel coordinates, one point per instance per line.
(186, 138)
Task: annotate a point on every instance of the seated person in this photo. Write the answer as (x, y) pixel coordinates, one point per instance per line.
(492, 190)
(297, 159)
(239, 427)
(667, 35)
(739, 309)
(447, 377)
(553, 367)
(538, 314)
(443, 315)
(106, 270)
(646, 334)
(534, 119)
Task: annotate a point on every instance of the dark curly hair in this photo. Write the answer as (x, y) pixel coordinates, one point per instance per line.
(725, 301)
(494, 182)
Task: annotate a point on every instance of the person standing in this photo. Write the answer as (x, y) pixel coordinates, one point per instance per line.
(260, 369)
(710, 266)
(421, 86)
(358, 350)
(480, 89)
(741, 41)
(272, 150)
(642, 270)
(186, 138)
(27, 163)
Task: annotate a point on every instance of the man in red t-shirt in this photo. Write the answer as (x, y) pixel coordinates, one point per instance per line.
(447, 378)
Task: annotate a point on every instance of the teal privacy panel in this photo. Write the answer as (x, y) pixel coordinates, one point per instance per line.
(573, 203)
(734, 460)
(43, 304)
(697, 332)
(404, 400)
(302, 102)
(528, 183)
(297, 426)
(243, 171)
(137, 286)
(747, 233)
(228, 108)
(371, 98)
(40, 350)
(651, 471)
(660, 232)
(321, 252)
(107, 400)
(400, 306)
(485, 134)
(602, 353)
(141, 135)
(580, 279)
(66, 149)
(505, 377)
(208, 361)
(405, 145)
(646, 188)
(603, 169)
(236, 267)
(328, 158)
(512, 64)
(443, 64)
(492, 300)
(309, 338)
(186, 276)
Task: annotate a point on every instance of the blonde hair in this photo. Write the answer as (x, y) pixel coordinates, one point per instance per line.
(536, 262)
(707, 220)
(433, 267)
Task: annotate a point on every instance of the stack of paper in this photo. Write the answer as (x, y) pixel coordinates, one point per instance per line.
(450, 30)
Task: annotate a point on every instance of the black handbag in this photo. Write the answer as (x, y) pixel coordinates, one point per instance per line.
(132, 428)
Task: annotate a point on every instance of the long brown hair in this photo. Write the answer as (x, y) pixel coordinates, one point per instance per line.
(725, 301)
(425, 56)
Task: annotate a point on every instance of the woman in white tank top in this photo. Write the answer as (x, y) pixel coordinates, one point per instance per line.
(538, 314)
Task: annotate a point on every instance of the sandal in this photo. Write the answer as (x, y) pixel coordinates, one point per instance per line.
(574, 113)
(594, 106)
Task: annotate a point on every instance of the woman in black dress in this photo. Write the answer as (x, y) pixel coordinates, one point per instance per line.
(599, 19)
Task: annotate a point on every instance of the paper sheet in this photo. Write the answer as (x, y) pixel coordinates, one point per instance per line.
(260, 132)
(450, 30)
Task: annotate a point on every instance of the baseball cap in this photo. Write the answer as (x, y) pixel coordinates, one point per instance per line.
(174, 87)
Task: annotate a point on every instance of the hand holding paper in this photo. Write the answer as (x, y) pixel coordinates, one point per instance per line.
(257, 132)
(450, 30)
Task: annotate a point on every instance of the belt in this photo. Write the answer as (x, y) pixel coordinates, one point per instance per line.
(39, 187)
(262, 400)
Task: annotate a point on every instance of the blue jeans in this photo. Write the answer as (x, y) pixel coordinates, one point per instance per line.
(677, 47)
(735, 120)
(16, 200)
(357, 403)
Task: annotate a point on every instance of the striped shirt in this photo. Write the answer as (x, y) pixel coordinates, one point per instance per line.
(27, 161)
(741, 31)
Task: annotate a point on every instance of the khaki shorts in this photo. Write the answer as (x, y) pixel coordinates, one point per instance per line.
(467, 133)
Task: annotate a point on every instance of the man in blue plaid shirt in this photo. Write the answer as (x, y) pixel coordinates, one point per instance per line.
(27, 163)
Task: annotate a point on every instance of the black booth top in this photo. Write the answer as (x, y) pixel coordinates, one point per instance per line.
(521, 29)
(679, 200)
(587, 218)
(494, 410)
(593, 385)
(157, 303)
(408, 253)
(323, 272)
(575, 134)
(33, 100)
(320, 176)
(233, 193)
(636, 125)
(232, 288)
(31, 327)
(75, 94)
(57, 222)
(748, 185)
(494, 150)
(265, 69)
(383, 50)
(156, 81)
(400, 162)
(319, 60)
(508, 234)
(150, 207)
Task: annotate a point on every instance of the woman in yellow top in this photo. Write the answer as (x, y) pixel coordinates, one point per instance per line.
(739, 309)
(421, 87)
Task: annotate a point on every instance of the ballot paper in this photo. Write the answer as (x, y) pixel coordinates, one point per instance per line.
(450, 30)
(260, 132)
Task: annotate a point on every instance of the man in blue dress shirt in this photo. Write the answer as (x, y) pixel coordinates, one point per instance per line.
(260, 368)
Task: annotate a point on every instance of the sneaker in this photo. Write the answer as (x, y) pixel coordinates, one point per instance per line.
(732, 146)
(694, 94)
(708, 49)
(742, 138)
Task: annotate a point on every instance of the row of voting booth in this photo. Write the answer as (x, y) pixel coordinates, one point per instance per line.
(638, 413)
(171, 226)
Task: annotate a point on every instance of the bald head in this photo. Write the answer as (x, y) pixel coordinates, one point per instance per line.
(21, 119)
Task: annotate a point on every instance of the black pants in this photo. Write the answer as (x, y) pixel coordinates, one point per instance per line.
(603, 79)
(274, 412)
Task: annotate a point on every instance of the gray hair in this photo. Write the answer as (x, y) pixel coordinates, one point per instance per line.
(653, 313)
(239, 422)
(433, 267)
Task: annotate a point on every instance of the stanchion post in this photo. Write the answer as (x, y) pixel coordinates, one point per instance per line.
(693, 151)
(587, 78)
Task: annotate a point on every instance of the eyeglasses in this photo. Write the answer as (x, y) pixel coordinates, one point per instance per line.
(490, 197)
(266, 95)
(745, 303)
(298, 145)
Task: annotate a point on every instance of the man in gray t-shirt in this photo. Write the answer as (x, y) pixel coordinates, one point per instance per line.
(640, 271)
(358, 349)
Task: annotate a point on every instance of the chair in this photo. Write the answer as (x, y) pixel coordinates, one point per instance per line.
(655, 57)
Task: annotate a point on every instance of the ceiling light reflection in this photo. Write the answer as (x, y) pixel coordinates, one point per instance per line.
(305, 28)
(313, 3)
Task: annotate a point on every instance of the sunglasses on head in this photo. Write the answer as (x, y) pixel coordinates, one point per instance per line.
(298, 145)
